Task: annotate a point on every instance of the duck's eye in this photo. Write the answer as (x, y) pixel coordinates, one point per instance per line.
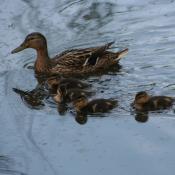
(29, 39)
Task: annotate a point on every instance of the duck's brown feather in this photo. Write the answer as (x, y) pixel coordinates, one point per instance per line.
(77, 57)
(87, 60)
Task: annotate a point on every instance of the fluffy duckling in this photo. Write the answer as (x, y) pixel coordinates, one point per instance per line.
(34, 99)
(145, 102)
(69, 83)
(82, 105)
(64, 95)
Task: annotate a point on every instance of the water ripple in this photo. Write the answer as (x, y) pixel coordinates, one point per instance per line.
(42, 141)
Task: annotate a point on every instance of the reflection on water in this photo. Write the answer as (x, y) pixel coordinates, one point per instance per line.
(141, 117)
(91, 18)
(5, 166)
(45, 142)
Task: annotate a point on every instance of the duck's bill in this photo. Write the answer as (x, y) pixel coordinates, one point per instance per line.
(19, 49)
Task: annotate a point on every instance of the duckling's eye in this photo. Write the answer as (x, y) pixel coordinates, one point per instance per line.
(140, 96)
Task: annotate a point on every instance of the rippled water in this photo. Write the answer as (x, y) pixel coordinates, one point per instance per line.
(38, 142)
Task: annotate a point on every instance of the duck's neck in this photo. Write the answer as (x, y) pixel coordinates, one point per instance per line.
(42, 64)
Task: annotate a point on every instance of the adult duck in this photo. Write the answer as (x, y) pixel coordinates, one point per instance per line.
(70, 62)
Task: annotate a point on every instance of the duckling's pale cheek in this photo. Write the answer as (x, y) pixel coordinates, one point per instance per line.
(141, 101)
(137, 106)
(57, 98)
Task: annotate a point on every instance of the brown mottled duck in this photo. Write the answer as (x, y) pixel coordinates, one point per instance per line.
(70, 62)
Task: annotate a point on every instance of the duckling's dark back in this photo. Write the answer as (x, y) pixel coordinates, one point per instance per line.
(100, 105)
(73, 94)
(67, 83)
(73, 83)
(160, 102)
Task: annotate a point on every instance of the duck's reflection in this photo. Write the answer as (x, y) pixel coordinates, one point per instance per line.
(62, 108)
(81, 118)
(5, 166)
(141, 117)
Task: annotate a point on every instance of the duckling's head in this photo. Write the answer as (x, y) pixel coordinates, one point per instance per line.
(34, 40)
(80, 102)
(52, 85)
(141, 98)
(61, 93)
(58, 97)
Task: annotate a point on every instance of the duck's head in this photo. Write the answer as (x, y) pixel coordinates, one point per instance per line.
(141, 98)
(34, 40)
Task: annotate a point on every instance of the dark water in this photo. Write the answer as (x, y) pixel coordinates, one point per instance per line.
(40, 142)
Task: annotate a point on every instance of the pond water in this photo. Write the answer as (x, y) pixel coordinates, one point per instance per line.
(41, 142)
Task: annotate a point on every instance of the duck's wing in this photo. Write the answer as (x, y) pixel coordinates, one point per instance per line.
(81, 57)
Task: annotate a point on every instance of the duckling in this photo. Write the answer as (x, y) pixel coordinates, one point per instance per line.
(32, 98)
(145, 102)
(70, 62)
(82, 106)
(68, 95)
(69, 83)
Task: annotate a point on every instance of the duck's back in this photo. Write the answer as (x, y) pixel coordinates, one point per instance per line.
(86, 60)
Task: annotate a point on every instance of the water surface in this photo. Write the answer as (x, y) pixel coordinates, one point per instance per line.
(35, 142)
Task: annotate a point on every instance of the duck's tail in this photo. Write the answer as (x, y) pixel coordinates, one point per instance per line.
(121, 54)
